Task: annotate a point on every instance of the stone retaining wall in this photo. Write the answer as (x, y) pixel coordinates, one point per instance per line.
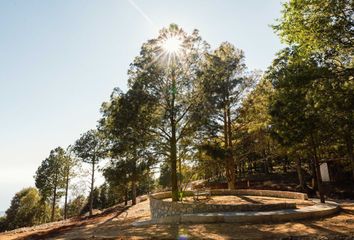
(160, 208)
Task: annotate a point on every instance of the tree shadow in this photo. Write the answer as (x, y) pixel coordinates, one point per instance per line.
(79, 226)
(327, 231)
(250, 200)
(347, 211)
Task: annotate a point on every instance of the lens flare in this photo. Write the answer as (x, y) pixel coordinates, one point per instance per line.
(172, 45)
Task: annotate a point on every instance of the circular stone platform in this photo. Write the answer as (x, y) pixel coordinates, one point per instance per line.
(282, 207)
(243, 200)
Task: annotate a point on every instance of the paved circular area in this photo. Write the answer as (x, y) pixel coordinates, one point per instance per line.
(161, 208)
(317, 210)
(238, 206)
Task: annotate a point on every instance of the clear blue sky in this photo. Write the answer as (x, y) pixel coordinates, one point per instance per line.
(59, 60)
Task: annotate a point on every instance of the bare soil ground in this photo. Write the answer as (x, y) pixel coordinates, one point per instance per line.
(245, 200)
(117, 225)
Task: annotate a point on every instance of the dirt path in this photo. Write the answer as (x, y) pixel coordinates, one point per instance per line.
(117, 225)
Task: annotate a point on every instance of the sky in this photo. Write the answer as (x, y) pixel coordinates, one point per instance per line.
(59, 60)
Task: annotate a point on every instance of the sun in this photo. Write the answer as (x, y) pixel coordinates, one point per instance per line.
(172, 45)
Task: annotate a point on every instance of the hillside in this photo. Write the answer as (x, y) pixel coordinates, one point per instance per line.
(116, 223)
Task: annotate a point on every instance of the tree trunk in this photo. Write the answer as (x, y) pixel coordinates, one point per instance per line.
(349, 143)
(313, 172)
(317, 169)
(174, 165)
(53, 203)
(318, 178)
(285, 167)
(299, 173)
(66, 196)
(180, 172)
(249, 166)
(231, 173)
(133, 192)
(231, 185)
(269, 158)
(126, 197)
(242, 168)
(92, 184)
(266, 162)
(230, 167)
(173, 143)
(134, 182)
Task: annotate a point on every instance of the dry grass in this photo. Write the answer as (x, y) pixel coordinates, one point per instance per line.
(117, 225)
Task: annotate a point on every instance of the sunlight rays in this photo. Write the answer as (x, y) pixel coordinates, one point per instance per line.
(172, 45)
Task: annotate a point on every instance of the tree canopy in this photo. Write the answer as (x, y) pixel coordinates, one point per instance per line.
(195, 112)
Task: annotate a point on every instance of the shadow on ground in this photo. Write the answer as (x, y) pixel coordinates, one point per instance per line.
(117, 225)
